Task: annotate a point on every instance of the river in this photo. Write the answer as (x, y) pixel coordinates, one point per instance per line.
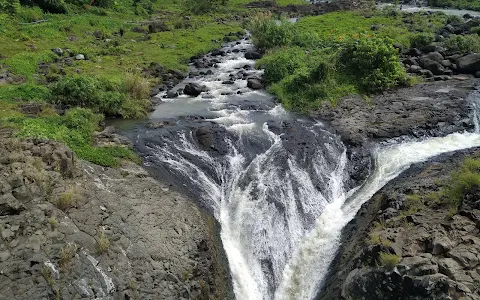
(277, 182)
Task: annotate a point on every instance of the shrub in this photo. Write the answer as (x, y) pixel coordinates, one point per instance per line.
(104, 3)
(421, 40)
(388, 260)
(66, 201)
(52, 6)
(375, 64)
(267, 33)
(82, 119)
(463, 44)
(30, 14)
(282, 63)
(10, 7)
(129, 99)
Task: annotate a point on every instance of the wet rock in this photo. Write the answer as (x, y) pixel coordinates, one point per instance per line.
(252, 55)
(172, 94)
(193, 89)
(469, 63)
(254, 84)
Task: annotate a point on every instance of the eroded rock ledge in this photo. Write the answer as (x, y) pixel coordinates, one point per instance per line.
(73, 230)
(438, 251)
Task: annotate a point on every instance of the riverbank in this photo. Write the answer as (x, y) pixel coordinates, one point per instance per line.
(407, 242)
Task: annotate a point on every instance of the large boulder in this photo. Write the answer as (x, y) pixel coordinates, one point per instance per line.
(253, 55)
(431, 65)
(157, 27)
(435, 56)
(469, 63)
(193, 89)
(254, 84)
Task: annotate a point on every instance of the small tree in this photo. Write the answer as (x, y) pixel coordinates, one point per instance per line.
(10, 6)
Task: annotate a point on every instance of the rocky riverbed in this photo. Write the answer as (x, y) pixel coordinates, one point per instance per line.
(73, 230)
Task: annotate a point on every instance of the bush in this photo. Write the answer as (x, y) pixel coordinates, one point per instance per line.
(30, 14)
(10, 7)
(82, 119)
(104, 3)
(374, 63)
(421, 40)
(282, 63)
(463, 44)
(129, 99)
(388, 260)
(267, 33)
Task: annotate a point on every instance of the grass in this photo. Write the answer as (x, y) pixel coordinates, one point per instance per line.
(103, 243)
(67, 253)
(66, 201)
(388, 260)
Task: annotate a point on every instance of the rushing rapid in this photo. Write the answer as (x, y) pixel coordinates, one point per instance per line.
(277, 183)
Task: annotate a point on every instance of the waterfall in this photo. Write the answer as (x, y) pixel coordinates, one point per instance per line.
(277, 183)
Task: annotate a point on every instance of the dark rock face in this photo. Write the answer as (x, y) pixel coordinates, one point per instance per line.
(469, 63)
(435, 67)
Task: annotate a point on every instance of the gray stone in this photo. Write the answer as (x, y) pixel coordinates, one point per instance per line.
(464, 256)
(9, 205)
(441, 244)
(57, 51)
(254, 84)
(80, 57)
(4, 255)
(7, 234)
(448, 266)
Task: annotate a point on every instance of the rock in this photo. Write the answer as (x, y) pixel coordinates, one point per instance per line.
(441, 244)
(9, 205)
(172, 94)
(433, 48)
(252, 55)
(449, 28)
(414, 69)
(193, 89)
(464, 256)
(58, 51)
(80, 57)
(375, 27)
(446, 63)
(31, 108)
(477, 74)
(414, 52)
(4, 255)
(254, 84)
(410, 61)
(139, 29)
(7, 234)
(435, 56)
(448, 266)
(426, 73)
(433, 66)
(218, 52)
(157, 26)
(469, 64)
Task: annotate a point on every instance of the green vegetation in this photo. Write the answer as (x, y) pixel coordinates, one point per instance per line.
(388, 260)
(460, 4)
(329, 56)
(464, 44)
(114, 79)
(463, 181)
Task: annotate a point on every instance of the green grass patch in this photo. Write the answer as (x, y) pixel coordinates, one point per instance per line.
(388, 260)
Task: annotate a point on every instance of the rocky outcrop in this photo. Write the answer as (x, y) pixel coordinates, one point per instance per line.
(436, 250)
(73, 230)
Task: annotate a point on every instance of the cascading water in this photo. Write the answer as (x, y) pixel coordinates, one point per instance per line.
(278, 184)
